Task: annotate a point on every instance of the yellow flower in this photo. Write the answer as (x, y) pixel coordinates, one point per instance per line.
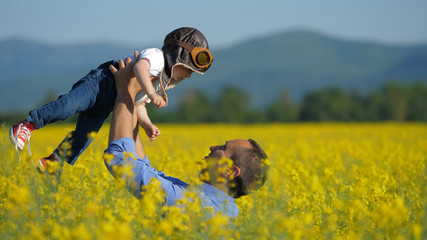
(327, 180)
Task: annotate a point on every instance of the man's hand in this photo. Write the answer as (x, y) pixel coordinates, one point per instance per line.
(124, 77)
(157, 100)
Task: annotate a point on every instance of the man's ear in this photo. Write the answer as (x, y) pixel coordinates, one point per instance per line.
(233, 171)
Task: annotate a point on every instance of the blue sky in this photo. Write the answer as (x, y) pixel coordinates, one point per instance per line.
(224, 23)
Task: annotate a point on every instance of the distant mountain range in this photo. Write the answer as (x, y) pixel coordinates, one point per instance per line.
(296, 61)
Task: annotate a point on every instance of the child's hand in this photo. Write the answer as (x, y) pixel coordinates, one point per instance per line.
(157, 100)
(152, 131)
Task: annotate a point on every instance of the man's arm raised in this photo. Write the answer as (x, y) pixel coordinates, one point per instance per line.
(124, 137)
(121, 123)
(124, 123)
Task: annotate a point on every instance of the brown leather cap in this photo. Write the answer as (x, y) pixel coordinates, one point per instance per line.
(175, 55)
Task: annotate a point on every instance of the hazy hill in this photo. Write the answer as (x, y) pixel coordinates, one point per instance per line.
(296, 61)
(301, 61)
(30, 69)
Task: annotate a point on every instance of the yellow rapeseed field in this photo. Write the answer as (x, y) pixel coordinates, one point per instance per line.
(326, 181)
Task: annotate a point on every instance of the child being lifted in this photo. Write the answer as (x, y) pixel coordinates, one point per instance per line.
(185, 51)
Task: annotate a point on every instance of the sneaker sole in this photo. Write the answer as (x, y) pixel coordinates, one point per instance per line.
(40, 169)
(14, 141)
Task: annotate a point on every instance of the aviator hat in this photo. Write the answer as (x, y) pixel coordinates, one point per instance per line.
(175, 54)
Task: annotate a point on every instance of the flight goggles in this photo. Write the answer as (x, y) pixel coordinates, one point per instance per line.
(202, 57)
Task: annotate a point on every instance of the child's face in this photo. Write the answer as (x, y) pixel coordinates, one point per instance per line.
(180, 73)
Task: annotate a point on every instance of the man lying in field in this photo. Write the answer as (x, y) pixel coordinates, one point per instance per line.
(246, 173)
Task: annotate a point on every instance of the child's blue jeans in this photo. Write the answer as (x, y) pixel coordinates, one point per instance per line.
(93, 97)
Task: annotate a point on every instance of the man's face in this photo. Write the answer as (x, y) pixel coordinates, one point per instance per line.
(227, 150)
(219, 160)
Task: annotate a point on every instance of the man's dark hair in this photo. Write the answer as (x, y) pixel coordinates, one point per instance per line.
(253, 170)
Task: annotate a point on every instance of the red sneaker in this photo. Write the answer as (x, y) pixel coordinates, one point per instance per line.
(20, 133)
(49, 165)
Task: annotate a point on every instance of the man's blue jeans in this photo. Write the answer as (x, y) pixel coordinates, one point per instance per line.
(93, 97)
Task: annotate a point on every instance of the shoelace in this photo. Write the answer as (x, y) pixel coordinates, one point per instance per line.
(25, 133)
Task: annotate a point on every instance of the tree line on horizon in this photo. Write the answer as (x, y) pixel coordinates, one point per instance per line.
(392, 102)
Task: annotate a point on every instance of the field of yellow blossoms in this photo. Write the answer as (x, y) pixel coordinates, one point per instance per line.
(326, 181)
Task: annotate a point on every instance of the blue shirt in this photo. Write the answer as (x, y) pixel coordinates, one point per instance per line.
(175, 188)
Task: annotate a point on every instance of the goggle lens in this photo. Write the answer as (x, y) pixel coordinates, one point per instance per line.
(203, 58)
